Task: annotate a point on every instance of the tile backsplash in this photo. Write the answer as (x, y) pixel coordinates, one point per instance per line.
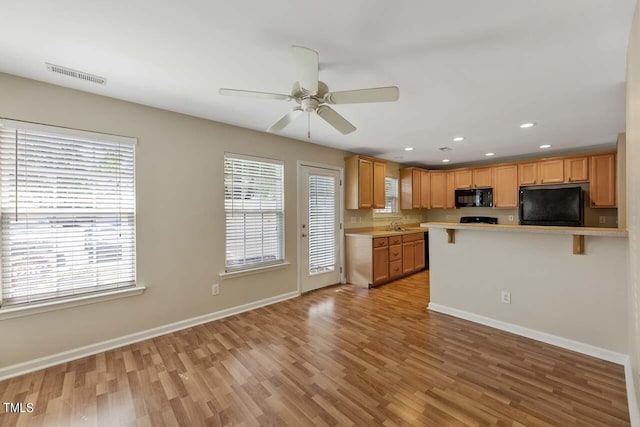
(367, 218)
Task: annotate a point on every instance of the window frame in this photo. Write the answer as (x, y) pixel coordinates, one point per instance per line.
(383, 213)
(18, 309)
(238, 270)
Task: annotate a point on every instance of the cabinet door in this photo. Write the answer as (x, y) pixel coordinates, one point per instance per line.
(483, 178)
(463, 179)
(408, 257)
(603, 181)
(365, 183)
(505, 190)
(576, 169)
(395, 269)
(415, 190)
(418, 255)
(551, 171)
(379, 173)
(438, 199)
(425, 189)
(450, 196)
(380, 265)
(528, 173)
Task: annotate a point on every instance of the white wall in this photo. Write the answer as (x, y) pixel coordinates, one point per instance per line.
(633, 197)
(180, 222)
(578, 297)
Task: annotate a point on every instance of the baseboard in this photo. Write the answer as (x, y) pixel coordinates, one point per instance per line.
(78, 353)
(567, 343)
(634, 411)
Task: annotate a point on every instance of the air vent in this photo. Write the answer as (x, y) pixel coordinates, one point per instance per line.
(76, 74)
(445, 149)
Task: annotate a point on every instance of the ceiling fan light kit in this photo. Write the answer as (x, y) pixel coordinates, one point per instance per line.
(312, 95)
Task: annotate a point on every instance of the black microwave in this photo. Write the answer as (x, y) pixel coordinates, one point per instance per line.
(481, 197)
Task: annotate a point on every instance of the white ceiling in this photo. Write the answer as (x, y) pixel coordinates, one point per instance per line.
(464, 67)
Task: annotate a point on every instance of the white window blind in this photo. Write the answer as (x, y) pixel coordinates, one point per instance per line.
(254, 211)
(391, 196)
(67, 203)
(322, 224)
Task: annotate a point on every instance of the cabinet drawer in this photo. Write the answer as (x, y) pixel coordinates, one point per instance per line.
(412, 237)
(395, 269)
(380, 242)
(395, 252)
(395, 240)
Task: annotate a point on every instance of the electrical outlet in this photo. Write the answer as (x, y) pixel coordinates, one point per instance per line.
(506, 297)
(603, 220)
(215, 289)
(510, 218)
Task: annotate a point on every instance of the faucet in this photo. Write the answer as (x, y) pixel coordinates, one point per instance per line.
(394, 226)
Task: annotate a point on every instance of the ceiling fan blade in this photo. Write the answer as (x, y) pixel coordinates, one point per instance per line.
(285, 120)
(378, 94)
(334, 119)
(253, 94)
(307, 60)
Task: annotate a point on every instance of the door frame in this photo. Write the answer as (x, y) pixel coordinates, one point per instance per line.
(341, 255)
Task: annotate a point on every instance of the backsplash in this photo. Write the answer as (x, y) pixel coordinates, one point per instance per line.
(367, 218)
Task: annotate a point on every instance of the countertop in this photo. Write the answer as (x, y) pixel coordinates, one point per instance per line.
(371, 233)
(583, 231)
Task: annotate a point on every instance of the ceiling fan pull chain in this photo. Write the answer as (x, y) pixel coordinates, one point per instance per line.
(309, 125)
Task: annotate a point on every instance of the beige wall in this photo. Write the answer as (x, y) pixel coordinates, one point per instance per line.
(633, 199)
(180, 223)
(578, 297)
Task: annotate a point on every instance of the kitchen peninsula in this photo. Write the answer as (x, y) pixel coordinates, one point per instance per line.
(531, 279)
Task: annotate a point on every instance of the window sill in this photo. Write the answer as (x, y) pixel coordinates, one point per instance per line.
(43, 307)
(240, 273)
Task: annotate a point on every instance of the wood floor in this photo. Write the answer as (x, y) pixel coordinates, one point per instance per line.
(339, 356)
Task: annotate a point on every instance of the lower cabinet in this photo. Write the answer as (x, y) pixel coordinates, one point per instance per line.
(372, 262)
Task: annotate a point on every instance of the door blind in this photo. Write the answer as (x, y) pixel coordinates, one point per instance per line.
(254, 211)
(322, 224)
(67, 204)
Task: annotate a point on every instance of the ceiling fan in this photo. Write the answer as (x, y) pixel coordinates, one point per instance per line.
(313, 95)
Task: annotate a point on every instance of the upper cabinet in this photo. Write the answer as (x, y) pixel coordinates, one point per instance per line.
(551, 171)
(364, 183)
(415, 188)
(483, 177)
(505, 190)
(450, 196)
(463, 178)
(528, 173)
(576, 169)
(438, 199)
(603, 181)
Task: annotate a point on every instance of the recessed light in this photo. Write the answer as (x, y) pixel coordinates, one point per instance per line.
(545, 146)
(490, 154)
(458, 138)
(408, 149)
(445, 161)
(527, 125)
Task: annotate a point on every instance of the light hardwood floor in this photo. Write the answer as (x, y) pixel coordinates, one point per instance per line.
(339, 356)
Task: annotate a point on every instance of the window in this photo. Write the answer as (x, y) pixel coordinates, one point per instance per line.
(67, 202)
(391, 194)
(254, 212)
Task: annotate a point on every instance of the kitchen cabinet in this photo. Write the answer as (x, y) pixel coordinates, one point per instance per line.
(482, 178)
(415, 187)
(603, 181)
(364, 183)
(576, 169)
(505, 190)
(438, 199)
(551, 171)
(373, 261)
(450, 191)
(463, 179)
(528, 173)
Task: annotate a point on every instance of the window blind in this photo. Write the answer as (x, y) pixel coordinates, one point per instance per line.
(254, 211)
(322, 224)
(391, 196)
(67, 207)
